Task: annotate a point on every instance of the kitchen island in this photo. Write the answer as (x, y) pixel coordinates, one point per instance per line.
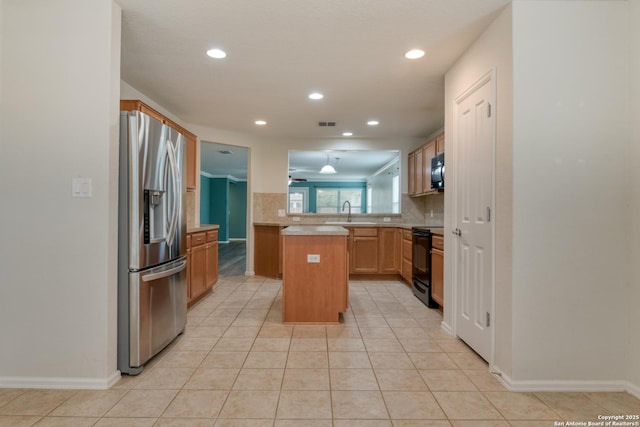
(315, 274)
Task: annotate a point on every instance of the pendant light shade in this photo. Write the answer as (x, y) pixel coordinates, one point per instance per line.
(328, 169)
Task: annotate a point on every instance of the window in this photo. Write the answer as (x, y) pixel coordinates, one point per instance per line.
(298, 200)
(395, 196)
(330, 200)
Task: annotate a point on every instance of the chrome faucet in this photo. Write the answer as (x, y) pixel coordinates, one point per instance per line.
(346, 202)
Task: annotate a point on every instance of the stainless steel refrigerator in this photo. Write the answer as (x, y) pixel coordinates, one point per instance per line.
(152, 276)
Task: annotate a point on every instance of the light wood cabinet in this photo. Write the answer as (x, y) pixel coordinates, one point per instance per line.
(407, 255)
(419, 172)
(437, 269)
(198, 269)
(202, 264)
(314, 292)
(363, 252)
(411, 174)
(192, 166)
(190, 139)
(389, 250)
(419, 166)
(212, 258)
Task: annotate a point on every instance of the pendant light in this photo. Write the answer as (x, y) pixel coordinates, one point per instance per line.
(327, 169)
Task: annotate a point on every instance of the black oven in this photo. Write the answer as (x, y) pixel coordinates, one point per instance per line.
(421, 265)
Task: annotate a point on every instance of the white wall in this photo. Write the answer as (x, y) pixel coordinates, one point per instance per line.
(570, 184)
(633, 300)
(59, 111)
(492, 50)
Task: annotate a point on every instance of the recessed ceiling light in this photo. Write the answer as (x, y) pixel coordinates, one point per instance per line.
(414, 54)
(316, 95)
(373, 122)
(217, 53)
(260, 122)
(347, 133)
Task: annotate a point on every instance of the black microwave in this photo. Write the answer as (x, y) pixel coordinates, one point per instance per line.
(437, 172)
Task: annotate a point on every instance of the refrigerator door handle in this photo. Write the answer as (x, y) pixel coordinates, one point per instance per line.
(162, 274)
(176, 192)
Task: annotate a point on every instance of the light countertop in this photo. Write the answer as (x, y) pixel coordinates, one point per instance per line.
(202, 228)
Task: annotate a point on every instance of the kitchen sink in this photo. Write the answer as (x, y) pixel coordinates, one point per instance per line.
(349, 223)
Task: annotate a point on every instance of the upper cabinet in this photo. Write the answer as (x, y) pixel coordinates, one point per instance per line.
(190, 139)
(419, 170)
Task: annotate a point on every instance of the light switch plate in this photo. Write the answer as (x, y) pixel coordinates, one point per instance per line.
(313, 258)
(81, 187)
(296, 219)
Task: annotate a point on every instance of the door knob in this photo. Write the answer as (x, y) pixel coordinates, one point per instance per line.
(457, 232)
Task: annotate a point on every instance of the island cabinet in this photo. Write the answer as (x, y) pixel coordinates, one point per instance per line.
(315, 274)
(407, 255)
(190, 139)
(437, 269)
(202, 262)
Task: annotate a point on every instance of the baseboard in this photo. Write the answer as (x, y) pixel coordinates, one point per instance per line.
(563, 386)
(447, 328)
(633, 389)
(237, 239)
(60, 383)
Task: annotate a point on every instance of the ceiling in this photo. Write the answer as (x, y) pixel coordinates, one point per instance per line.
(280, 51)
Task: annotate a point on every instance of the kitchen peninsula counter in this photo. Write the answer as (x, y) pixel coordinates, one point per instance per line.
(315, 274)
(202, 228)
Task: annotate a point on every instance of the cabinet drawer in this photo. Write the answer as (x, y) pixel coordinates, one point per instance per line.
(437, 242)
(212, 236)
(365, 232)
(198, 239)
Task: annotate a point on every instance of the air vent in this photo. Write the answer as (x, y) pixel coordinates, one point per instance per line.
(322, 124)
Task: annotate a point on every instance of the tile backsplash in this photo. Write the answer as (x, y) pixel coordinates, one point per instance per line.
(428, 210)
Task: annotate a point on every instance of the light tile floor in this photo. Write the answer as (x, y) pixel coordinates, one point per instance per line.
(388, 364)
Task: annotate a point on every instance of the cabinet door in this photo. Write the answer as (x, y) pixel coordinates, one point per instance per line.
(198, 270)
(419, 172)
(188, 275)
(212, 263)
(437, 276)
(389, 256)
(440, 143)
(411, 173)
(364, 244)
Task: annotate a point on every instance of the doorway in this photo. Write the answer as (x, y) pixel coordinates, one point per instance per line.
(224, 200)
(474, 124)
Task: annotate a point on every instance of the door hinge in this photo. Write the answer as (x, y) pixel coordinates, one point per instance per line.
(488, 110)
(488, 319)
(488, 214)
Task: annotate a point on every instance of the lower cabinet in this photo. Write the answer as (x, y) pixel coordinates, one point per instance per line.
(202, 260)
(437, 269)
(363, 253)
(407, 256)
(389, 250)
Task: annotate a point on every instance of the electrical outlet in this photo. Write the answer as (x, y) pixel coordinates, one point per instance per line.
(281, 213)
(386, 219)
(313, 258)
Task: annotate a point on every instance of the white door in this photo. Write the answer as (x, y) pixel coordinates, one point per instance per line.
(475, 141)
